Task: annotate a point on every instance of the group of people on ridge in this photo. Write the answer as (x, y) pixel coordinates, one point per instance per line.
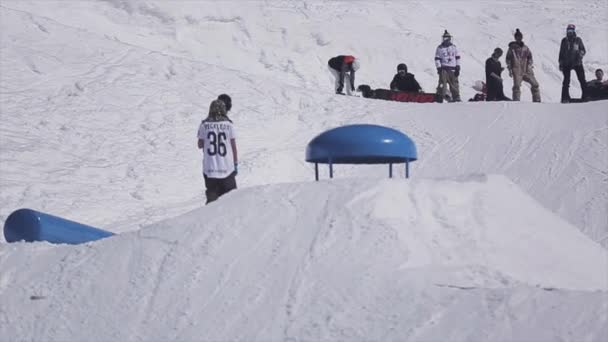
(519, 63)
(216, 134)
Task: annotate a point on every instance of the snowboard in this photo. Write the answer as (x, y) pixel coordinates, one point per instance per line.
(399, 96)
(403, 96)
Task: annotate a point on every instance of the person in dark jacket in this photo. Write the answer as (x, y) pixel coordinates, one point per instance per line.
(599, 80)
(494, 86)
(571, 54)
(404, 81)
(597, 89)
(339, 66)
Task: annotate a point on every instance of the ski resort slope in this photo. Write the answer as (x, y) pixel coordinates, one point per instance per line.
(101, 100)
(499, 235)
(469, 259)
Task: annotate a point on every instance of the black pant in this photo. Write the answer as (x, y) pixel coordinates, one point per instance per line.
(495, 91)
(216, 187)
(340, 74)
(580, 74)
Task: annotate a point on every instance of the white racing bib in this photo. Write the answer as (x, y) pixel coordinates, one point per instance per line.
(218, 161)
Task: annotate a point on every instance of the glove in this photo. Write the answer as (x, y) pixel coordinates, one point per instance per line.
(236, 169)
(457, 72)
(438, 71)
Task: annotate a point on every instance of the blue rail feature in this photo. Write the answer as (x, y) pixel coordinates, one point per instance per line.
(31, 225)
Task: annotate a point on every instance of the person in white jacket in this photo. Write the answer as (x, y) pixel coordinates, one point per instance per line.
(447, 61)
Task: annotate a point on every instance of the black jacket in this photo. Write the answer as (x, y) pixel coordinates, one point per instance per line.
(571, 52)
(406, 82)
(337, 63)
(493, 66)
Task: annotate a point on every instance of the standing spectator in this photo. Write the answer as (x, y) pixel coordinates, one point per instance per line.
(447, 61)
(339, 66)
(220, 163)
(521, 67)
(571, 54)
(404, 81)
(494, 84)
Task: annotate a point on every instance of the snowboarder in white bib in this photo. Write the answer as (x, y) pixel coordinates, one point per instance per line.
(521, 67)
(447, 61)
(220, 162)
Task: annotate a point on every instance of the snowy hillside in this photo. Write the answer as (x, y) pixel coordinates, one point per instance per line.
(340, 260)
(99, 105)
(101, 100)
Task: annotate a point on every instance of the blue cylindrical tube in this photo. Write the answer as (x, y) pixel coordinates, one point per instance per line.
(31, 225)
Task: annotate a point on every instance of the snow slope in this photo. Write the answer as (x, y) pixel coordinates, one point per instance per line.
(99, 105)
(334, 260)
(101, 100)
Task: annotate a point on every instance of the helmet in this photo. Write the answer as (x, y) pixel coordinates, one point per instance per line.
(227, 101)
(402, 66)
(570, 30)
(479, 85)
(356, 64)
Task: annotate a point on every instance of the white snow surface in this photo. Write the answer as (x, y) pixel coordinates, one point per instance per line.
(500, 234)
(334, 260)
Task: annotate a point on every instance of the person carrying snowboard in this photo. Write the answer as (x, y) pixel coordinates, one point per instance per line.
(339, 66)
(521, 67)
(494, 84)
(571, 54)
(404, 81)
(217, 139)
(447, 61)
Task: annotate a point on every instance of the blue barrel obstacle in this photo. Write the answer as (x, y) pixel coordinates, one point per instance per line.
(30, 225)
(361, 144)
